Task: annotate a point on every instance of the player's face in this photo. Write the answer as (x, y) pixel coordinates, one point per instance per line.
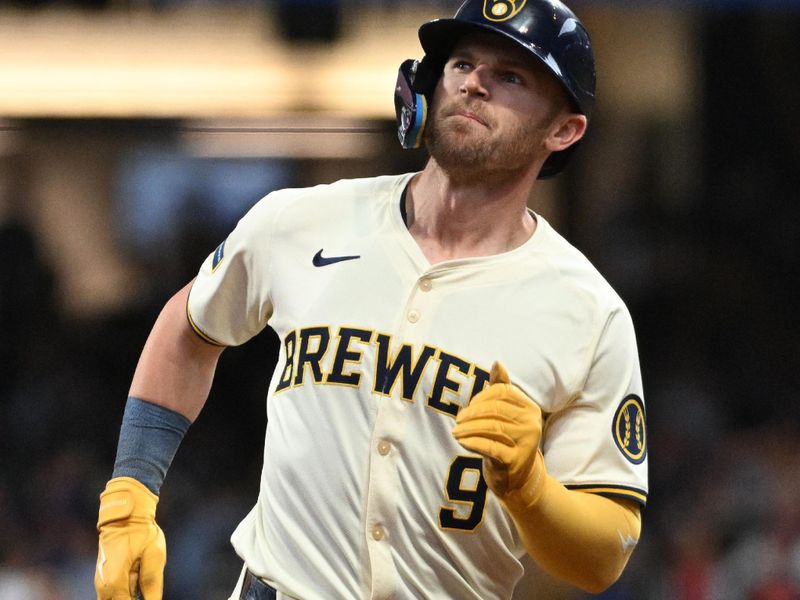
(492, 109)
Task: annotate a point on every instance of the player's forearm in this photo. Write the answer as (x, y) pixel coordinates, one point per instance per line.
(580, 537)
(176, 367)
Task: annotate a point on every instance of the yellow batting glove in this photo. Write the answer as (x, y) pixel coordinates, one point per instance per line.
(132, 551)
(503, 425)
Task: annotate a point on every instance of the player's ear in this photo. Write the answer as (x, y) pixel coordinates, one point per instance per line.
(565, 130)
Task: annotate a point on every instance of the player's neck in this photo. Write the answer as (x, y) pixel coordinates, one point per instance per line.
(451, 219)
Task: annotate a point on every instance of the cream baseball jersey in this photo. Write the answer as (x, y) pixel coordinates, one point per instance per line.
(364, 491)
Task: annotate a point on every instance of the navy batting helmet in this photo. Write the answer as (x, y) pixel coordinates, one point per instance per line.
(547, 29)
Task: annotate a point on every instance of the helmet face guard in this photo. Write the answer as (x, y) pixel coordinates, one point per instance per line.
(546, 29)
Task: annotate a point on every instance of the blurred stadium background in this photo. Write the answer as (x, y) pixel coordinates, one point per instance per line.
(134, 133)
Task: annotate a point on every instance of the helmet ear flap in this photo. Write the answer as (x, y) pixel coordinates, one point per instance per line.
(412, 93)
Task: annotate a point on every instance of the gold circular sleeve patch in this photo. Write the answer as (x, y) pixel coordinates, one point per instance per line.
(629, 429)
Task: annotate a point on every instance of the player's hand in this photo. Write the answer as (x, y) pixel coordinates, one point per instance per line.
(503, 425)
(132, 551)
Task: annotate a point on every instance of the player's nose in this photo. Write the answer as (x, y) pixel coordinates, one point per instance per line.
(474, 83)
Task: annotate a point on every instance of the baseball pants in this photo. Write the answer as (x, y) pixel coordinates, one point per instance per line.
(250, 587)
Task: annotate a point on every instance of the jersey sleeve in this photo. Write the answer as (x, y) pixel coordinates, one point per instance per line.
(229, 301)
(598, 442)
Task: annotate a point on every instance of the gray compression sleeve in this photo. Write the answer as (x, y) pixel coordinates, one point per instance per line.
(148, 440)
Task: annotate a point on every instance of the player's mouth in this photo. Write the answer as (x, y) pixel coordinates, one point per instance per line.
(471, 116)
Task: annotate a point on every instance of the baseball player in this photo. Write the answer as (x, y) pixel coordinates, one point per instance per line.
(457, 386)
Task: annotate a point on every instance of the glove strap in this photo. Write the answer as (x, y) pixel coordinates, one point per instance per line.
(531, 491)
(123, 498)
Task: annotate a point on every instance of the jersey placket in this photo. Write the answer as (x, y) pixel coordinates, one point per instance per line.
(393, 413)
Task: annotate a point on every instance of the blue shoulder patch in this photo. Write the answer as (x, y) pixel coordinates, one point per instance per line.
(218, 254)
(629, 429)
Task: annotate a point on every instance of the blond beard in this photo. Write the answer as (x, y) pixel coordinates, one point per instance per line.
(462, 152)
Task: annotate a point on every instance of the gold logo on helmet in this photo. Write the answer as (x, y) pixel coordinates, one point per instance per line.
(501, 10)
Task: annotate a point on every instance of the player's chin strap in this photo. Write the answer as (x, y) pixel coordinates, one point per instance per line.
(415, 82)
(581, 537)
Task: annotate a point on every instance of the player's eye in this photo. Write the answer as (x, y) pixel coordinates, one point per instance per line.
(461, 65)
(511, 77)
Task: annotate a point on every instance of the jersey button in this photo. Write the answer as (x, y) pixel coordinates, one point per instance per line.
(425, 285)
(377, 533)
(384, 447)
(413, 315)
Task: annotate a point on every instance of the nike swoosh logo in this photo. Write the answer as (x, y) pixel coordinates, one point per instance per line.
(322, 261)
(101, 562)
(627, 542)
